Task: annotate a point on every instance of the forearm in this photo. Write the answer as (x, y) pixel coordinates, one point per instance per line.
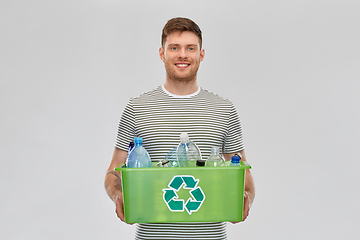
(113, 178)
(113, 184)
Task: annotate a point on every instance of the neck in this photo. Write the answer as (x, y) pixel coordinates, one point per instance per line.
(181, 87)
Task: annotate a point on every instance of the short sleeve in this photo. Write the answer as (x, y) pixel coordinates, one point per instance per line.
(126, 127)
(234, 139)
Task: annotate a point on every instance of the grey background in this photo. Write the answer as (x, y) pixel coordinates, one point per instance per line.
(67, 69)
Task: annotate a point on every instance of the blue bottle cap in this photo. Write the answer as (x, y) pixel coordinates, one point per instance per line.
(235, 159)
(138, 140)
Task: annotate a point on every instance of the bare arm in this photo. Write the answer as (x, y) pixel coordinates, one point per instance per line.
(249, 192)
(113, 182)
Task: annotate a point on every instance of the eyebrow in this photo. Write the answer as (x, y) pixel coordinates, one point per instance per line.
(176, 44)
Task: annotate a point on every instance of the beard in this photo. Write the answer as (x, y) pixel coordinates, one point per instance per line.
(181, 77)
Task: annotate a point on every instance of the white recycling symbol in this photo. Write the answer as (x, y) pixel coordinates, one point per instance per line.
(179, 205)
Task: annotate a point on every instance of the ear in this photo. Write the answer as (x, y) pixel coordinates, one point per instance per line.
(162, 54)
(202, 54)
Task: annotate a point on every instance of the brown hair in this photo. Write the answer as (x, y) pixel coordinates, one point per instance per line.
(181, 25)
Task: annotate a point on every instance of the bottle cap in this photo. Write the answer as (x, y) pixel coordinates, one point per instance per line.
(235, 159)
(184, 137)
(200, 163)
(138, 140)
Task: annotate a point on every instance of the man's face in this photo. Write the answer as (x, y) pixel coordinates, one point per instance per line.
(182, 56)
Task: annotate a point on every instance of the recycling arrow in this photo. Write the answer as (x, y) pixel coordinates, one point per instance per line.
(176, 183)
(172, 200)
(176, 205)
(169, 194)
(192, 206)
(190, 181)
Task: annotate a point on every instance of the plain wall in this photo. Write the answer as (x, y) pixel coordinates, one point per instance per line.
(67, 69)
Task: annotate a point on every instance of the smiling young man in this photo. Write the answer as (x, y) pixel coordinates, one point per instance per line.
(180, 105)
(181, 53)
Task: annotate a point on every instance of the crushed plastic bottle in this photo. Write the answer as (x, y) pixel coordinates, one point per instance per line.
(187, 153)
(164, 163)
(215, 159)
(138, 156)
(171, 157)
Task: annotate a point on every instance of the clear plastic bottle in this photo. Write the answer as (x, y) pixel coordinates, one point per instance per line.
(235, 160)
(164, 163)
(171, 157)
(138, 157)
(215, 159)
(187, 153)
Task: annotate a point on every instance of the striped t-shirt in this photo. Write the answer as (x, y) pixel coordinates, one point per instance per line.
(159, 117)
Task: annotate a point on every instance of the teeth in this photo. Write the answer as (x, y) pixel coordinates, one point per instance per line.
(182, 65)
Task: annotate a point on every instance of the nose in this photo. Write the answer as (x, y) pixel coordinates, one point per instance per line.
(182, 54)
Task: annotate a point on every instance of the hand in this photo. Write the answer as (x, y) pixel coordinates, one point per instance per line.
(119, 202)
(247, 204)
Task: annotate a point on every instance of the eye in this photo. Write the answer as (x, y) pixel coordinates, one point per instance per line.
(173, 48)
(191, 49)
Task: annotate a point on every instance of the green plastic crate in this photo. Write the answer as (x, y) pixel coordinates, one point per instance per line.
(193, 194)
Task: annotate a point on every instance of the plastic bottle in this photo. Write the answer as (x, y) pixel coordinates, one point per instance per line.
(187, 153)
(138, 157)
(235, 160)
(215, 159)
(164, 163)
(131, 146)
(171, 157)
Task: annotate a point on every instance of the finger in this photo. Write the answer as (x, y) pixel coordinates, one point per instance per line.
(120, 208)
(246, 206)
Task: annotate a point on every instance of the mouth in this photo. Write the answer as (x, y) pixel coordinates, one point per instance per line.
(182, 65)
